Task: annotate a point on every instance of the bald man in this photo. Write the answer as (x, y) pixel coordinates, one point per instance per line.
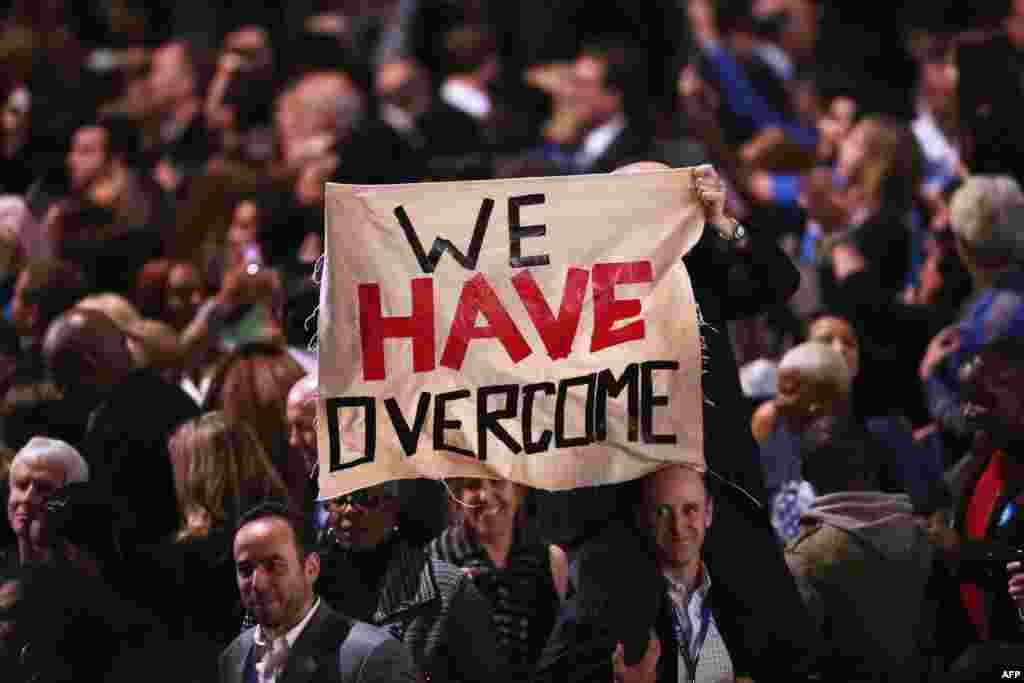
(814, 386)
(87, 353)
(654, 620)
(127, 414)
(325, 111)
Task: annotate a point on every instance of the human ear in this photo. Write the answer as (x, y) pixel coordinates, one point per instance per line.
(312, 566)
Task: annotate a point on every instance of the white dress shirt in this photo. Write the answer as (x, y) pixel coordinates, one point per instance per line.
(713, 663)
(466, 99)
(272, 655)
(598, 141)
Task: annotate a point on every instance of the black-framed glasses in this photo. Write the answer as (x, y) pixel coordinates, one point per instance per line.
(362, 500)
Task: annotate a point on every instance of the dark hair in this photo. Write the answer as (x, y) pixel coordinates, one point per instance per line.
(627, 72)
(200, 60)
(55, 285)
(837, 462)
(1010, 347)
(734, 16)
(302, 529)
(123, 137)
(468, 47)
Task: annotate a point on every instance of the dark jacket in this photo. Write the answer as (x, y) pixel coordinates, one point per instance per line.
(614, 602)
(197, 599)
(126, 448)
(729, 284)
(429, 605)
(320, 654)
(978, 559)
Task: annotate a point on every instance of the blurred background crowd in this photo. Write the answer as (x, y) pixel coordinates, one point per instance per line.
(162, 167)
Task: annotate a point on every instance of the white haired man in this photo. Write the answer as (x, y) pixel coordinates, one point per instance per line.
(813, 382)
(987, 220)
(39, 470)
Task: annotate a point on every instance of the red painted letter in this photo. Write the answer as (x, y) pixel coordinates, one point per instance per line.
(608, 310)
(477, 297)
(556, 333)
(374, 328)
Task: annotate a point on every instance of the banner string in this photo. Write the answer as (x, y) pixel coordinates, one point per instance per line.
(453, 497)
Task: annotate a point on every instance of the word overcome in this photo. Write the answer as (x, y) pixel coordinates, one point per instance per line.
(637, 381)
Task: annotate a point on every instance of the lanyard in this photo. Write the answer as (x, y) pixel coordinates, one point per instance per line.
(691, 660)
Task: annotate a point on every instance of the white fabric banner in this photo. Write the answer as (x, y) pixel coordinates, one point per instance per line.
(541, 330)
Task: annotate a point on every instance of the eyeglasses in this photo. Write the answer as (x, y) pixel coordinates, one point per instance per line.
(362, 500)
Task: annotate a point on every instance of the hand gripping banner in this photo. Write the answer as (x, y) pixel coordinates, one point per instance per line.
(541, 330)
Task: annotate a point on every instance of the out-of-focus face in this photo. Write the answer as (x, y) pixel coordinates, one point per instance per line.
(995, 403)
(835, 125)
(838, 334)
(32, 484)
(490, 505)
(823, 201)
(939, 79)
(245, 223)
(364, 519)
(169, 80)
(594, 102)
(300, 413)
(676, 507)
(853, 150)
(184, 295)
(23, 314)
(14, 118)
(10, 638)
(275, 582)
(244, 230)
(87, 159)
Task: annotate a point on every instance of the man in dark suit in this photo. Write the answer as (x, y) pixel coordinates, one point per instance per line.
(599, 121)
(298, 638)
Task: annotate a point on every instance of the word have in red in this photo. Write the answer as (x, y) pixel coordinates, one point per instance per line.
(479, 300)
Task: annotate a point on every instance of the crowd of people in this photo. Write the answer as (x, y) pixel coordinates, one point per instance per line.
(162, 171)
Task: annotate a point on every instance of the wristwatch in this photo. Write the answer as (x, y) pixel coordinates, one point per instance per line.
(733, 232)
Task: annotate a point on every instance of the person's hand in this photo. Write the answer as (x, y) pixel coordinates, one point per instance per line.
(166, 176)
(710, 190)
(249, 284)
(1016, 583)
(846, 260)
(645, 671)
(942, 536)
(230, 63)
(703, 22)
(940, 347)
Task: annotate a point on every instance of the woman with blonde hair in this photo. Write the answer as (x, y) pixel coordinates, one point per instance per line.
(220, 471)
(871, 199)
(495, 543)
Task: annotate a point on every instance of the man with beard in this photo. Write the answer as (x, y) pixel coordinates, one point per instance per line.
(297, 636)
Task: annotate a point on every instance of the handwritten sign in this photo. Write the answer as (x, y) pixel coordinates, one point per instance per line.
(541, 330)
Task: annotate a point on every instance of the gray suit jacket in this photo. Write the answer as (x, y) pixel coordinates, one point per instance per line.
(332, 648)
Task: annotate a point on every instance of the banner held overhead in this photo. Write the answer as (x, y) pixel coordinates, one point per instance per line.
(541, 330)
